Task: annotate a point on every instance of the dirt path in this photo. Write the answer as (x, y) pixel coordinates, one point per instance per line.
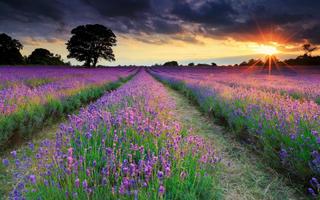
(243, 175)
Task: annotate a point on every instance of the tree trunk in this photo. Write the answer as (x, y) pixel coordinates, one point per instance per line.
(95, 60)
(87, 63)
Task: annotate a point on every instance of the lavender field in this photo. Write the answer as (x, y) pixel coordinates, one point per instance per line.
(133, 143)
(159, 100)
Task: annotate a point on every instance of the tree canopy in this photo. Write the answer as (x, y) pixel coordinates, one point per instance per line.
(10, 51)
(42, 56)
(171, 63)
(91, 42)
(308, 49)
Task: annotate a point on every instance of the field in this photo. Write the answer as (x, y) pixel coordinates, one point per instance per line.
(159, 133)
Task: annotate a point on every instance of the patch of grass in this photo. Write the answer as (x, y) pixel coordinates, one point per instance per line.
(318, 100)
(36, 82)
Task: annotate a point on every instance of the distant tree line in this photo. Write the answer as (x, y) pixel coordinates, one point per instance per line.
(175, 64)
(305, 59)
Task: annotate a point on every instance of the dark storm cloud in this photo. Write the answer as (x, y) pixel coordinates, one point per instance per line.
(165, 27)
(239, 19)
(30, 10)
(213, 13)
(116, 8)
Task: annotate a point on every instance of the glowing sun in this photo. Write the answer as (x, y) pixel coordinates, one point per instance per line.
(267, 50)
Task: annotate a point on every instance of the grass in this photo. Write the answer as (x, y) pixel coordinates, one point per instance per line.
(36, 82)
(48, 132)
(243, 174)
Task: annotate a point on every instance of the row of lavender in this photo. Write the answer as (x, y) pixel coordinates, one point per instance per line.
(33, 95)
(127, 145)
(302, 85)
(22, 87)
(286, 130)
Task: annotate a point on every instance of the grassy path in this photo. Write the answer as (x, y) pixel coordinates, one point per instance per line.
(243, 174)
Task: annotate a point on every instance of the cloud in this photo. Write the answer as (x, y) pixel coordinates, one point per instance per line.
(30, 10)
(212, 13)
(252, 20)
(120, 8)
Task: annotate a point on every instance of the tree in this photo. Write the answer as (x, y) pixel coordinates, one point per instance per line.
(91, 42)
(191, 64)
(171, 63)
(203, 65)
(308, 49)
(10, 50)
(42, 56)
(214, 64)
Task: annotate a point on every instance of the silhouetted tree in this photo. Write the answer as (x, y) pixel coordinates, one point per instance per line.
(171, 63)
(191, 64)
(91, 42)
(304, 60)
(203, 65)
(308, 49)
(42, 56)
(244, 63)
(10, 51)
(214, 64)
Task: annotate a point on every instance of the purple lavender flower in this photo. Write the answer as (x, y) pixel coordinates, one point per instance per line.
(283, 154)
(168, 171)
(5, 162)
(145, 184)
(77, 183)
(31, 146)
(88, 172)
(14, 154)
(17, 162)
(160, 174)
(311, 192)
(161, 190)
(32, 179)
(104, 181)
(88, 135)
(85, 184)
(315, 183)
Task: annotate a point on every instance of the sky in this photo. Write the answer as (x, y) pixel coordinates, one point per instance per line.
(156, 31)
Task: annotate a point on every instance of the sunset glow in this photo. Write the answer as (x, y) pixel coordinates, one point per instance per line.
(267, 50)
